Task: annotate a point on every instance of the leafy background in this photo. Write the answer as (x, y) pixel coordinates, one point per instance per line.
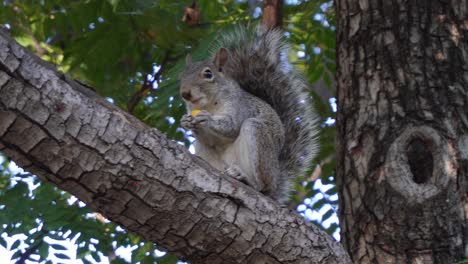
(131, 52)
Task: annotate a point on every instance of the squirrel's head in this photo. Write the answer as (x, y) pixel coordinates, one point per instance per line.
(200, 81)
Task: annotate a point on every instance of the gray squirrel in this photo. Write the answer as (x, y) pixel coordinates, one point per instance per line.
(249, 111)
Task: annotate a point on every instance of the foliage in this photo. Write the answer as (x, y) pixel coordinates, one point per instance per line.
(126, 48)
(46, 216)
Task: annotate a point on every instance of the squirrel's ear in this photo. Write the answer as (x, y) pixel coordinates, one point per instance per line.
(221, 58)
(188, 59)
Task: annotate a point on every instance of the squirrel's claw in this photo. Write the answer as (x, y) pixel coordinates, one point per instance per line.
(236, 173)
(187, 122)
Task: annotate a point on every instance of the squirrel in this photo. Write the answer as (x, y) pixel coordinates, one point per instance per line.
(249, 111)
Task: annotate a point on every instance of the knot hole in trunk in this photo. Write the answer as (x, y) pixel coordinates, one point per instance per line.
(420, 163)
(420, 159)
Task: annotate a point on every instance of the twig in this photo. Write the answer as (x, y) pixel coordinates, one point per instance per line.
(99, 217)
(147, 85)
(317, 173)
(272, 13)
(25, 256)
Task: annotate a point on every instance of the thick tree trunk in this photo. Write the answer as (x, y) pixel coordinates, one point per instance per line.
(403, 130)
(64, 133)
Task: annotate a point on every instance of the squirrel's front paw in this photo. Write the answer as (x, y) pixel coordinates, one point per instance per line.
(187, 122)
(201, 119)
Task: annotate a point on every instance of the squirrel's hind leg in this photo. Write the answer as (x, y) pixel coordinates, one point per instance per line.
(254, 155)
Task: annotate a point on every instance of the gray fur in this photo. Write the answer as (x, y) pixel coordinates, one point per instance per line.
(257, 66)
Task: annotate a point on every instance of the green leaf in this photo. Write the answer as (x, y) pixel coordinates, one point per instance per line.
(96, 256)
(332, 229)
(327, 80)
(332, 190)
(16, 244)
(58, 247)
(17, 254)
(44, 250)
(327, 215)
(82, 252)
(316, 73)
(319, 204)
(118, 260)
(167, 259)
(61, 256)
(3, 243)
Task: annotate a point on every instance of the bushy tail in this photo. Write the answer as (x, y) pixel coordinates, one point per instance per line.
(258, 61)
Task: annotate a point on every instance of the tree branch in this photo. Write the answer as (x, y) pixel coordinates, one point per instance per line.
(147, 85)
(66, 134)
(25, 256)
(272, 13)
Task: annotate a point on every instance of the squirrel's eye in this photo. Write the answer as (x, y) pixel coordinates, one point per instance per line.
(207, 74)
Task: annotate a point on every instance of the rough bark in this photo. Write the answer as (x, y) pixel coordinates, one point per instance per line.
(63, 132)
(403, 130)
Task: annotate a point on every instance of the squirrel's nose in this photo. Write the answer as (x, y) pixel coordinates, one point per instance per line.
(186, 95)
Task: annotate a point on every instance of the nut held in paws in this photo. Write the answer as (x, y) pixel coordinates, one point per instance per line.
(195, 112)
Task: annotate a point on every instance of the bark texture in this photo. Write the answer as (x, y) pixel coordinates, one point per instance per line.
(63, 132)
(403, 130)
